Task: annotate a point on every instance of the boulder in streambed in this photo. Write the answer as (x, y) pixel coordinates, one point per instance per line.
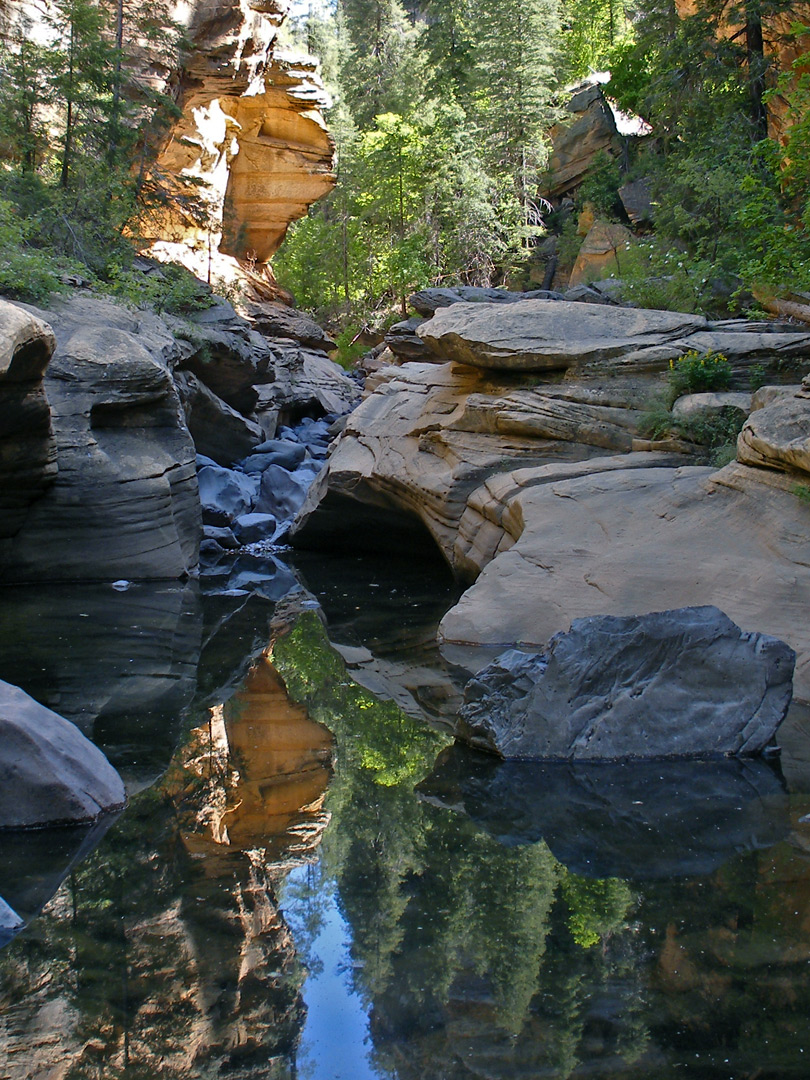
(671, 684)
(50, 774)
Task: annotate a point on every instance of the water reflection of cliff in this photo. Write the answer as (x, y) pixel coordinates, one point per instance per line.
(165, 953)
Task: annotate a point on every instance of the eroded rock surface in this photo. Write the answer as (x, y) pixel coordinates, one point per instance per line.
(27, 448)
(683, 683)
(538, 488)
(590, 131)
(124, 504)
(777, 433)
(619, 542)
(252, 127)
(548, 335)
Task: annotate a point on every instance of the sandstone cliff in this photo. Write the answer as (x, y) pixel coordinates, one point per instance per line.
(251, 129)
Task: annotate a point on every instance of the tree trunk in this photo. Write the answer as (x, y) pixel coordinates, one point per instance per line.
(68, 145)
(755, 52)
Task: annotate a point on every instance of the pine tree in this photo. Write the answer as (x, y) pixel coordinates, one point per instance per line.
(382, 68)
(515, 58)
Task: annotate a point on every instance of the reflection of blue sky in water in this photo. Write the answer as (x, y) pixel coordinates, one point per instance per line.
(334, 1043)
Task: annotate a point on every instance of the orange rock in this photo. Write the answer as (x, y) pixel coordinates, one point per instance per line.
(598, 255)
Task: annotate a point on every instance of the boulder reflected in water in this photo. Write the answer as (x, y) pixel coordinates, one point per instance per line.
(639, 821)
(35, 862)
(121, 664)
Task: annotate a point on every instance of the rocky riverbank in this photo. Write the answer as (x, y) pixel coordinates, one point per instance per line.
(526, 467)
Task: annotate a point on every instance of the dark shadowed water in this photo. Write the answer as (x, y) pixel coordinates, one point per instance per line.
(311, 881)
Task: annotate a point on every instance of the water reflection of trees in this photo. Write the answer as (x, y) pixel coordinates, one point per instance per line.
(463, 948)
(475, 958)
(166, 954)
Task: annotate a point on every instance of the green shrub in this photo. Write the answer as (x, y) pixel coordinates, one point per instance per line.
(25, 272)
(601, 188)
(657, 421)
(175, 290)
(664, 278)
(714, 429)
(802, 491)
(697, 373)
(349, 351)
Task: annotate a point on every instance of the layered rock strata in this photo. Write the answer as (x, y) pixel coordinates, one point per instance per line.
(124, 504)
(548, 335)
(251, 129)
(536, 486)
(27, 447)
(98, 453)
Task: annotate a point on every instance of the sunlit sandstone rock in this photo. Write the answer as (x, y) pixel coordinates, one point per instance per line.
(251, 128)
(540, 484)
(553, 335)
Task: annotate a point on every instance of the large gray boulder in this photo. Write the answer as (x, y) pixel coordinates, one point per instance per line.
(50, 774)
(682, 683)
(552, 335)
(27, 448)
(124, 503)
(218, 430)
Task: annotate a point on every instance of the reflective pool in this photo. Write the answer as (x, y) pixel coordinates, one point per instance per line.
(310, 881)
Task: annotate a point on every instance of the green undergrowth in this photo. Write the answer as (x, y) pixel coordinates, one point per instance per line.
(715, 431)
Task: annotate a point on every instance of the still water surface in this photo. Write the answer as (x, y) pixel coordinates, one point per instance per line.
(310, 881)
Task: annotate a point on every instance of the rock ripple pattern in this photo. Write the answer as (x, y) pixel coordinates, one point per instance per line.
(681, 683)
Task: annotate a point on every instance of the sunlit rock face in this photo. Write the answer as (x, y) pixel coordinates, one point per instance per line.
(522, 460)
(251, 129)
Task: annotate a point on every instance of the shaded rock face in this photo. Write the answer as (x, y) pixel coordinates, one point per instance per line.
(251, 127)
(27, 448)
(124, 504)
(574, 145)
(218, 430)
(51, 774)
(683, 683)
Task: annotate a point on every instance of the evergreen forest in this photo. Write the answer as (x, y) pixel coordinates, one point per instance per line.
(442, 113)
(441, 116)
